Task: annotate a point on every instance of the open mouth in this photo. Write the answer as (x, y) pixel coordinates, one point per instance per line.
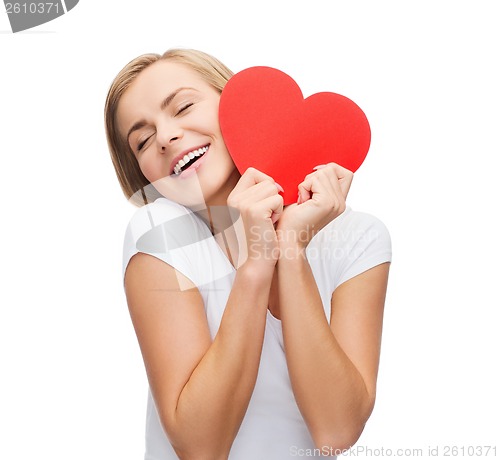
(189, 159)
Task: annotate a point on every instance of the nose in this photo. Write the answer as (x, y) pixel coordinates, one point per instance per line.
(167, 135)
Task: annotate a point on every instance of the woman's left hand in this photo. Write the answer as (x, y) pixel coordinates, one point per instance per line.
(322, 198)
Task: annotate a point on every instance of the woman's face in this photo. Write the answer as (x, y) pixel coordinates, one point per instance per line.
(169, 116)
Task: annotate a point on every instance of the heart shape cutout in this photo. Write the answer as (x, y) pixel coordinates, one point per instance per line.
(267, 124)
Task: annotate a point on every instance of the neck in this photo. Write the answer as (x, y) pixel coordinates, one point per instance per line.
(218, 218)
(219, 198)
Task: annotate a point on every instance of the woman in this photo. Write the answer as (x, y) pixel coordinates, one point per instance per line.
(259, 326)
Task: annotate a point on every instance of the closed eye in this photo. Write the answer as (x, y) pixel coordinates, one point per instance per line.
(141, 144)
(184, 107)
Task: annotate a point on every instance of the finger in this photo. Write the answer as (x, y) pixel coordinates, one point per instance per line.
(304, 189)
(251, 177)
(329, 173)
(257, 192)
(275, 205)
(268, 208)
(327, 189)
(340, 179)
(316, 182)
(339, 176)
(344, 177)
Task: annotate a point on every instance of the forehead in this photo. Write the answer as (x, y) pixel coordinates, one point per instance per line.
(152, 85)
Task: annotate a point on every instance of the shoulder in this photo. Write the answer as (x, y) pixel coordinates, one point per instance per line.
(352, 243)
(354, 228)
(160, 212)
(160, 228)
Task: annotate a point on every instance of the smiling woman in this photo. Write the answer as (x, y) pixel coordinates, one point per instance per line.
(166, 114)
(175, 95)
(259, 324)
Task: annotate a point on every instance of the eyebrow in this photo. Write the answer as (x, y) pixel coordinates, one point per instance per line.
(164, 104)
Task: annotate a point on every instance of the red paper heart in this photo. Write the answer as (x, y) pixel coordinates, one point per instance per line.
(267, 124)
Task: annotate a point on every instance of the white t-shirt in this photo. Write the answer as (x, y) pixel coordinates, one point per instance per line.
(273, 427)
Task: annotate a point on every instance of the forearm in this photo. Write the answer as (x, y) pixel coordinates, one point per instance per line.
(329, 390)
(213, 402)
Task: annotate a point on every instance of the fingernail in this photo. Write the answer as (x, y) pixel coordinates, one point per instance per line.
(279, 187)
(319, 167)
(299, 201)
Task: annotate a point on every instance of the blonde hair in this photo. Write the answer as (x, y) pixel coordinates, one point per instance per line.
(126, 167)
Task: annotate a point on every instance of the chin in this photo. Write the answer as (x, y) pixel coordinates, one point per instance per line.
(207, 187)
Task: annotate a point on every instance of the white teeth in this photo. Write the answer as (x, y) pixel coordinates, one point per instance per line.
(188, 157)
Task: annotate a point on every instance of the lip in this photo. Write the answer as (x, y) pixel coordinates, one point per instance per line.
(182, 154)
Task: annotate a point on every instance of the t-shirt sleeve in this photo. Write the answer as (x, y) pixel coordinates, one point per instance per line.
(368, 244)
(169, 232)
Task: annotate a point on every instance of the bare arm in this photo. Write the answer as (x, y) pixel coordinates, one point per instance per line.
(201, 388)
(333, 369)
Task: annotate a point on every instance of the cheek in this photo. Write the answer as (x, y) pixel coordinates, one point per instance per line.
(227, 158)
(151, 171)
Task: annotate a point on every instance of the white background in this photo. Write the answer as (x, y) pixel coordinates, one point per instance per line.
(426, 74)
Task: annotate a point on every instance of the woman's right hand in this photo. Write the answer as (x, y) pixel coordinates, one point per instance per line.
(257, 200)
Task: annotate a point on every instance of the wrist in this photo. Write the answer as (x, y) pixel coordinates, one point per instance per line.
(256, 272)
(292, 251)
(294, 238)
